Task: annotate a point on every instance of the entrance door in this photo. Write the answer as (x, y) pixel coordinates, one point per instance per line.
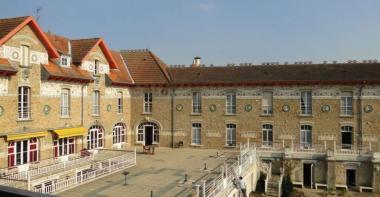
(307, 175)
(148, 135)
(351, 177)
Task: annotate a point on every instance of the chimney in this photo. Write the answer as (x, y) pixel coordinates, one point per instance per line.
(69, 47)
(196, 61)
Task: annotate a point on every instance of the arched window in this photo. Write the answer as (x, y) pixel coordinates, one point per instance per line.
(346, 137)
(267, 135)
(95, 137)
(118, 133)
(148, 133)
(23, 103)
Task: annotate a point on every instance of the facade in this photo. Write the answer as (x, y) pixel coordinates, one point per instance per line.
(59, 96)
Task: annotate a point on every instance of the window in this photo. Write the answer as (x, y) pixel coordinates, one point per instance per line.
(267, 135)
(22, 152)
(346, 104)
(95, 137)
(147, 102)
(65, 103)
(118, 133)
(231, 135)
(119, 102)
(266, 103)
(306, 136)
(24, 103)
(196, 133)
(64, 61)
(197, 105)
(95, 103)
(231, 103)
(143, 134)
(346, 137)
(25, 55)
(96, 69)
(306, 103)
(64, 146)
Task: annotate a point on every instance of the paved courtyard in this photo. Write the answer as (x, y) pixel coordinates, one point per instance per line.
(162, 173)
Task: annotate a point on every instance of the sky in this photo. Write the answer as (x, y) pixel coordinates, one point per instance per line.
(219, 31)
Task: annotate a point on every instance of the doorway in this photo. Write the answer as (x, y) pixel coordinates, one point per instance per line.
(308, 175)
(148, 135)
(351, 177)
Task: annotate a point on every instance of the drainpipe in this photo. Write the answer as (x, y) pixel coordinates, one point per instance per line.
(360, 116)
(172, 115)
(82, 112)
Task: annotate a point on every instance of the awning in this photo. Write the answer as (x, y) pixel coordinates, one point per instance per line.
(20, 136)
(62, 133)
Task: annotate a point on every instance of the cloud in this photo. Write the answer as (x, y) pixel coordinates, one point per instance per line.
(207, 6)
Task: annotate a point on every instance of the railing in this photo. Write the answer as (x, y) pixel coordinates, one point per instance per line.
(267, 179)
(97, 170)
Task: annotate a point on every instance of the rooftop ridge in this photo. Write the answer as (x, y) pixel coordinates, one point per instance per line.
(82, 39)
(134, 50)
(13, 18)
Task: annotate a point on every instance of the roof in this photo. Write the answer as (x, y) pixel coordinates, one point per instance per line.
(277, 74)
(60, 42)
(10, 26)
(145, 67)
(119, 76)
(82, 47)
(53, 71)
(6, 68)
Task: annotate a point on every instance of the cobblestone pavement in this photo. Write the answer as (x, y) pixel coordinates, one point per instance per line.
(162, 173)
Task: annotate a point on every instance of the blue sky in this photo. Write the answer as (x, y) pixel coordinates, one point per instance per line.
(220, 31)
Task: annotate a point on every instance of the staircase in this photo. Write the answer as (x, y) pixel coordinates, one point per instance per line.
(273, 185)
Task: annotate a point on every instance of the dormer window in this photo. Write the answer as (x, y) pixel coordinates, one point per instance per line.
(65, 61)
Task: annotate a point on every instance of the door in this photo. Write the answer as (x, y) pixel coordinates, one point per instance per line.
(307, 175)
(148, 135)
(351, 177)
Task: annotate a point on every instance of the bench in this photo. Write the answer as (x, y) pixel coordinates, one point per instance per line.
(320, 185)
(361, 188)
(298, 183)
(341, 186)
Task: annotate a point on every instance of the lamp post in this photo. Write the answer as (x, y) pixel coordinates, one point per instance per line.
(125, 173)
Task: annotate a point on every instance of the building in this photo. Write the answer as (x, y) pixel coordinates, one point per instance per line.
(61, 95)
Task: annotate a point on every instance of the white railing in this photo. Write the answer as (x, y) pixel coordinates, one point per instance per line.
(269, 176)
(225, 181)
(280, 182)
(99, 169)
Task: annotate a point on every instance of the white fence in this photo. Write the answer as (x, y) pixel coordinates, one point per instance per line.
(97, 170)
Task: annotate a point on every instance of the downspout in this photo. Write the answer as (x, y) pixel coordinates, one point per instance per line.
(172, 114)
(82, 112)
(360, 116)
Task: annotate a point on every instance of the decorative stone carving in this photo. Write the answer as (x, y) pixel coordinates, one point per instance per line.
(179, 107)
(53, 89)
(325, 108)
(3, 85)
(368, 109)
(109, 107)
(248, 107)
(212, 107)
(285, 108)
(46, 109)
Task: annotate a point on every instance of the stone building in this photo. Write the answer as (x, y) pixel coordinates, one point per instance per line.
(59, 96)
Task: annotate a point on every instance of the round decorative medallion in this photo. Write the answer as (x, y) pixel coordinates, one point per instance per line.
(325, 108)
(179, 107)
(248, 107)
(368, 108)
(1, 110)
(109, 107)
(25, 74)
(213, 107)
(164, 92)
(46, 109)
(34, 58)
(15, 55)
(285, 108)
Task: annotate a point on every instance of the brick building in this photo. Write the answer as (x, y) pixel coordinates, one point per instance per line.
(59, 96)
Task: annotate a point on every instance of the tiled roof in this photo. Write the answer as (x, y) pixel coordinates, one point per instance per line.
(277, 74)
(80, 48)
(6, 68)
(60, 42)
(119, 76)
(9, 24)
(145, 67)
(73, 73)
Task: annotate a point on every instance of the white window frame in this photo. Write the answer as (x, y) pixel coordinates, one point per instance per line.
(64, 146)
(231, 103)
(196, 133)
(120, 102)
(267, 132)
(148, 102)
(231, 135)
(20, 155)
(95, 137)
(96, 103)
(306, 103)
(25, 55)
(65, 102)
(197, 103)
(118, 133)
(141, 132)
(24, 102)
(267, 103)
(347, 129)
(306, 136)
(65, 61)
(96, 67)
(346, 109)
